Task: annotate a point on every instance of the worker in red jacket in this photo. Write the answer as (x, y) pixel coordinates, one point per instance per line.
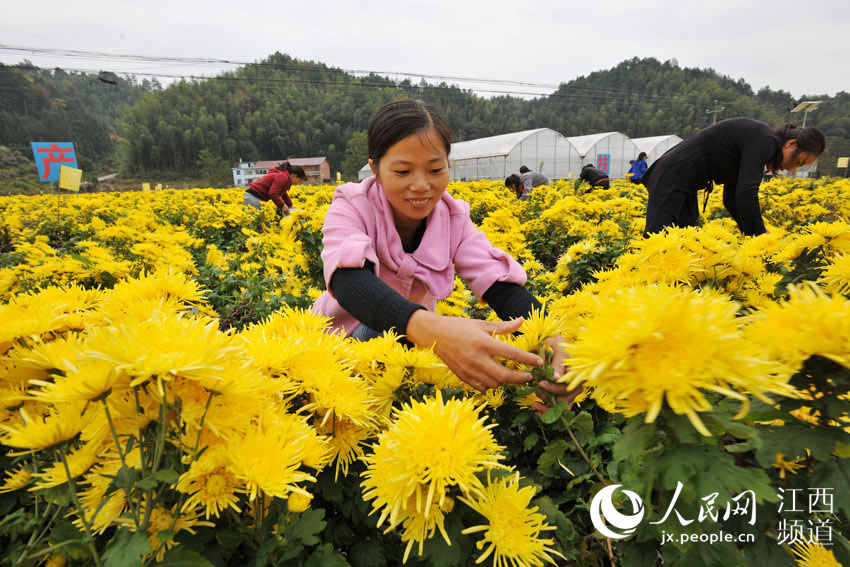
(275, 186)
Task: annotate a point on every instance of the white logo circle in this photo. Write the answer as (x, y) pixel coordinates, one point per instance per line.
(602, 507)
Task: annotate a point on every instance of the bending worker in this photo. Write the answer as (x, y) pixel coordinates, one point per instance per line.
(595, 177)
(523, 183)
(274, 186)
(733, 153)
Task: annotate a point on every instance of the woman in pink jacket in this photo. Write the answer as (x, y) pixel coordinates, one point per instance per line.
(392, 244)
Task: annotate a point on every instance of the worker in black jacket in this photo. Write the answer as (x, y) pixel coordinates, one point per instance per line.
(733, 153)
(595, 177)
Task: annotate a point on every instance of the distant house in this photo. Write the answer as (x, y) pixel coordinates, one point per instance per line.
(316, 169)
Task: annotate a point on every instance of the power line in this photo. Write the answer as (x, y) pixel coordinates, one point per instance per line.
(591, 92)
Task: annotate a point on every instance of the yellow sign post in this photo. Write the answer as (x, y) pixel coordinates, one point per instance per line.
(843, 162)
(146, 187)
(69, 178)
(158, 186)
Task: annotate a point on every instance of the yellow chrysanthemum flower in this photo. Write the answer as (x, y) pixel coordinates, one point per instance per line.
(38, 434)
(162, 347)
(512, 532)
(346, 440)
(647, 345)
(298, 502)
(79, 461)
(836, 276)
(16, 480)
(267, 462)
(210, 483)
(814, 555)
(785, 466)
(431, 447)
(809, 323)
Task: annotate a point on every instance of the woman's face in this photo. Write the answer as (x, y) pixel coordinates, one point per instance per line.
(413, 173)
(790, 161)
(294, 179)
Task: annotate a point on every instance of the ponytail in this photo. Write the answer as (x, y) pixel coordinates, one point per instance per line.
(291, 169)
(809, 139)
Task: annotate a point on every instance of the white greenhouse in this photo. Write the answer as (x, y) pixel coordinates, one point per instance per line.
(497, 157)
(655, 146)
(609, 151)
(364, 172)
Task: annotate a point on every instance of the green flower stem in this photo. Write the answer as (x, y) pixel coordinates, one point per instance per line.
(120, 454)
(72, 488)
(547, 355)
(182, 498)
(36, 536)
(157, 457)
(581, 451)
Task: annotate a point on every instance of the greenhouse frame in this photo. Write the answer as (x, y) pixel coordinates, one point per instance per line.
(609, 151)
(497, 157)
(655, 146)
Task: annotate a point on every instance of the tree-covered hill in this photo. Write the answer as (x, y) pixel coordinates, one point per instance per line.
(55, 105)
(283, 107)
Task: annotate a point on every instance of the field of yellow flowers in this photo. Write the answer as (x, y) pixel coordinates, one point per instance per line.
(167, 398)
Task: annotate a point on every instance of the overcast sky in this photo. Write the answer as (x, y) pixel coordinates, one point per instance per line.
(800, 47)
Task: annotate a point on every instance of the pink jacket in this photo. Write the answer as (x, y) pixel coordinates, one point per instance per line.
(359, 226)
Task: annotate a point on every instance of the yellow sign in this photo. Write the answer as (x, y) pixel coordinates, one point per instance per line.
(843, 162)
(338, 176)
(70, 177)
(146, 186)
(158, 186)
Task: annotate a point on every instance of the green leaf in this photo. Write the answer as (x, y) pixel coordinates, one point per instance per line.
(553, 452)
(554, 413)
(58, 495)
(701, 555)
(792, 440)
(165, 535)
(179, 556)
(168, 476)
(325, 556)
(81, 259)
(834, 474)
(126, 549)
(530, 441)
(582, 422)
(634, 441)
(367, 553)
(305, 526)
(230, 540)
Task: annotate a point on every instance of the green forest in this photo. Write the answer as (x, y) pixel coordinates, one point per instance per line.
(284, 107)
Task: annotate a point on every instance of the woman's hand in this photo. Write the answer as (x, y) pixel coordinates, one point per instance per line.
(555, 388)
(468, 348)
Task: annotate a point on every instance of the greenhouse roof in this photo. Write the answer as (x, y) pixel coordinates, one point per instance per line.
(500, 145)
(582, 144)
(648, 144)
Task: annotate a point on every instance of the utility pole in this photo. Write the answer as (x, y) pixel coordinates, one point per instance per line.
(714, 112)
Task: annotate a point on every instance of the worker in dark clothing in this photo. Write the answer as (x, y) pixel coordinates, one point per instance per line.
(595, 177)
(733, 153)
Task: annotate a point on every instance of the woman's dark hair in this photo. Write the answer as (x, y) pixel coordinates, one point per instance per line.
(809, 139)
(642, 155)
(397, 120)
(291, 169)
(524, 169)
(513, 180)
